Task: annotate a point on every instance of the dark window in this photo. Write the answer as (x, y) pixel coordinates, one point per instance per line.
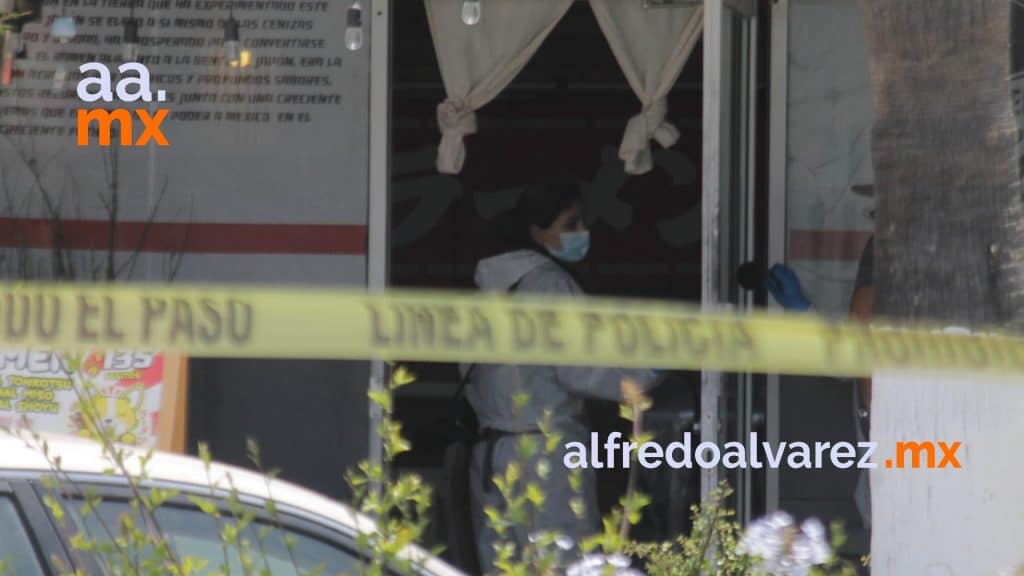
(16, 553)
(194, 534)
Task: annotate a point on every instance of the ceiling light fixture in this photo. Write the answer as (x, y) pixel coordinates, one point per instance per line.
(354, 26)
(471, 12)
(63, 27)
(130, 37)
(232, 43)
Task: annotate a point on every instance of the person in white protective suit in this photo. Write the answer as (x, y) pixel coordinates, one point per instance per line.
(553, 235)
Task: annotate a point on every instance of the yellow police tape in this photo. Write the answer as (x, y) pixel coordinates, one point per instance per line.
(233, 321)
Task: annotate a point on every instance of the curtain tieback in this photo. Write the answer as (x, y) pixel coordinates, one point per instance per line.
(649, 124)
(456, 119)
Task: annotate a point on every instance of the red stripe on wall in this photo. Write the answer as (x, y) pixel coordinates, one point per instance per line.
(193, 238)
(833, 245)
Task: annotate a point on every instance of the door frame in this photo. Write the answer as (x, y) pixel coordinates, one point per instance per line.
(378, 218)
(710, 381)
(778, 79)
(721, 47)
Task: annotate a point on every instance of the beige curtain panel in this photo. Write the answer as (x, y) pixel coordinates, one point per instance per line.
(651, 46)
(478, 62)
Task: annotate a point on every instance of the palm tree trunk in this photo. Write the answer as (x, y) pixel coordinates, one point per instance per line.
(950, 227)
(949, 247)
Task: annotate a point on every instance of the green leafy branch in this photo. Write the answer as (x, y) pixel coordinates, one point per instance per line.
(399, 507)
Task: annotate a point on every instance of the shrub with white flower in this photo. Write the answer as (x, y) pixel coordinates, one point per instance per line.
(603, 565)
(553, 545)
(785, 549)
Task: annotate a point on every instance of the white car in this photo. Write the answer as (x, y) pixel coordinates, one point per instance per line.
(32, 542)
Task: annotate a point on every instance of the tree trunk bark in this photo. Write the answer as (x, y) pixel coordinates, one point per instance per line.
(949, 245)
(950, 226)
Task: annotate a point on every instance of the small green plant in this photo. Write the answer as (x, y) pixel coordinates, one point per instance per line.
(836, 566)
(614, 538)
(399, 507)
(710, 548)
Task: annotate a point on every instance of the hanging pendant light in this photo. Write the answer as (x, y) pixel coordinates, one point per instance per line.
(354, 27)
(471, 12)
(232, 44)
(232, 40)
(63, 26)
(63, 29)
(130, 37)
(130, 41)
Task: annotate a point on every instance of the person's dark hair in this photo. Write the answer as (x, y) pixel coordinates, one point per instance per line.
(541, 203)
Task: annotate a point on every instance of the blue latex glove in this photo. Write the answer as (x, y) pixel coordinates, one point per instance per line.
(784, 285)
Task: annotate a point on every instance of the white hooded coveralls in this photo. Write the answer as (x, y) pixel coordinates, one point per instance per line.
(560, 389)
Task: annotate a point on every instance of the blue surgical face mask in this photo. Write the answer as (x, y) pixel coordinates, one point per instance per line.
(575, 246)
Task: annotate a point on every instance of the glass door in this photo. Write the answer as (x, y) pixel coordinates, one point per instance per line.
(731, 404)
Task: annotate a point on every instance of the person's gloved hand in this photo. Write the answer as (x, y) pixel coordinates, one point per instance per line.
(784, 286)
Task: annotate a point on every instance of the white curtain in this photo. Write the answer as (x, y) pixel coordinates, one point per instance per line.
(651, 45)
(478, 62)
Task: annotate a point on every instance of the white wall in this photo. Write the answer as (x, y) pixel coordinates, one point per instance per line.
(214, 171)
(829, 139)
(949, 521)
